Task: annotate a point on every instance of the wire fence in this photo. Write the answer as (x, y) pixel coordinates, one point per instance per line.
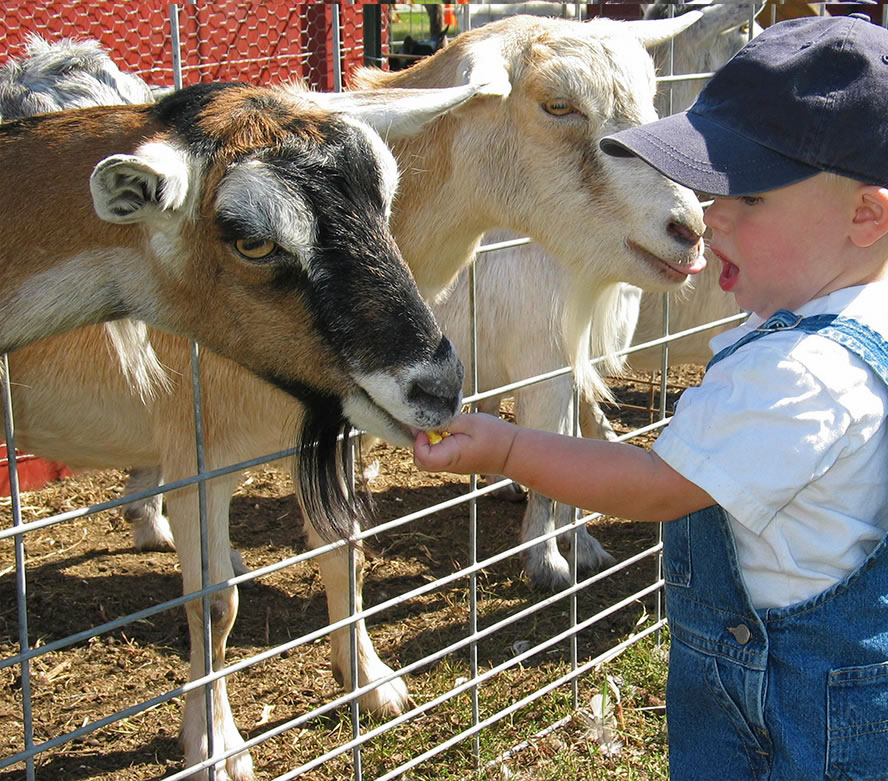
(468, 675)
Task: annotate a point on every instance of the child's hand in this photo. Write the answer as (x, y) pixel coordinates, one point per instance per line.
(477, 444)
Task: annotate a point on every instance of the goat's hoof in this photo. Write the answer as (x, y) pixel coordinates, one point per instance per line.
(236, 768)
(151, 535)
(237, 564)
(239, 767)
(591, 555)
(547, 574)
(389, 700)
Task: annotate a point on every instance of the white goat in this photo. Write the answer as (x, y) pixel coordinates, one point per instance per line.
(524, 297)
(584, 80)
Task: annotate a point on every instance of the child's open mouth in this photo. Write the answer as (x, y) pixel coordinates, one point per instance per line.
(729, 275)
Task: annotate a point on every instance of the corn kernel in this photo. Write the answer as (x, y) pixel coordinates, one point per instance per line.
(436, 436)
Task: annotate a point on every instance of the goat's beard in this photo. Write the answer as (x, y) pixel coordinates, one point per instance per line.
(323, 473)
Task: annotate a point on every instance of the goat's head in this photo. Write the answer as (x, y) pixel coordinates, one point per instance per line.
(287, 233)
(529, 159)
(257, 223)
(723, 29)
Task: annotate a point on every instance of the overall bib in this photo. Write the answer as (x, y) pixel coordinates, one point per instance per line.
(793, 693)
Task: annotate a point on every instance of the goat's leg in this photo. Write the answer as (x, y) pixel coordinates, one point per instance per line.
(550, 408)
(388, 699)
(151, 529)
(512, 492)
(184, 520)
(591, 555)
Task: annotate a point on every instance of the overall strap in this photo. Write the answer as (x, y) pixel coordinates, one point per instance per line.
(867, 344)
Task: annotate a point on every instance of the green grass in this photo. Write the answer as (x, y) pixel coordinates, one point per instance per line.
(415, 23)
(570, 751)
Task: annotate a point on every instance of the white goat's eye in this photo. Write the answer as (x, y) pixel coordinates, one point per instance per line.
(558, 108)
(255, 249)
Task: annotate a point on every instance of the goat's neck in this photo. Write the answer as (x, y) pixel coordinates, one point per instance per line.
(72, 291)
(439, 218)
(61, 267)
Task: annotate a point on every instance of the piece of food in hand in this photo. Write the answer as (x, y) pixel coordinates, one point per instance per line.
(436, 436)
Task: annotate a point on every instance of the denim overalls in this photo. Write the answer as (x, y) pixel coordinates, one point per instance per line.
(793, 693)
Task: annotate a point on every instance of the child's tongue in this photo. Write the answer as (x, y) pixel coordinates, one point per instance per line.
(728, 277)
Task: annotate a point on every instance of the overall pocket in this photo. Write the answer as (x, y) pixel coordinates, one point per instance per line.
(857, 726)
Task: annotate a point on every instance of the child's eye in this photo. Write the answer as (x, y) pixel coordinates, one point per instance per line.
(751, 200)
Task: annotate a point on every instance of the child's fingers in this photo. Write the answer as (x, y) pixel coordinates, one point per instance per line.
(428, 456)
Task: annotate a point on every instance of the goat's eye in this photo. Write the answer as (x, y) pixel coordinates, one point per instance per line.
(255, 249)
(558, 108)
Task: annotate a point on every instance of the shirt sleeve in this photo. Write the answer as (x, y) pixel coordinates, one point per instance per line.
(761, 426)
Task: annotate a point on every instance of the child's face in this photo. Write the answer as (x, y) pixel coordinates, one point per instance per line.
(781, 249)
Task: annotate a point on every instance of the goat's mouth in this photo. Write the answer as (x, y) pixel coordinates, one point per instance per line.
(365, 414)
(677, 271)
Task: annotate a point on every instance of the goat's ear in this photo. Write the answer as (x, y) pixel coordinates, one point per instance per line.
(132, 188)
(652, 32)
(394, 113)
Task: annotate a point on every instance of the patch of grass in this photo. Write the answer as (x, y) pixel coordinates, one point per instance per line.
(524, 745)
(415, 23)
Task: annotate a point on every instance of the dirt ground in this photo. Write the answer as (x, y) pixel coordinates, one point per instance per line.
(85, 572)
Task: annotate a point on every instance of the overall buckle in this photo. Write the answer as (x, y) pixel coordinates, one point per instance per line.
(780, 321)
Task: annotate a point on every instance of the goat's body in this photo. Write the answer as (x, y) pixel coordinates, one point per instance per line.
(63, 75)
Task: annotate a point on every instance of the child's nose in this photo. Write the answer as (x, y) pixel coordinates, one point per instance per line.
(716, 215)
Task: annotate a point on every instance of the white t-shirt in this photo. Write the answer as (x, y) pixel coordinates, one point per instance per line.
(787, 436)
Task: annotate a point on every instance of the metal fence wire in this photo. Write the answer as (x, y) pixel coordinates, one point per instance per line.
(93, 639)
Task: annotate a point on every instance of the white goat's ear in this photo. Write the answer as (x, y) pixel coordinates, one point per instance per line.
(393, 113)
(652, 32)
(132, 188)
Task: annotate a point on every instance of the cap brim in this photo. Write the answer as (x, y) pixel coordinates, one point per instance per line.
(707, 157)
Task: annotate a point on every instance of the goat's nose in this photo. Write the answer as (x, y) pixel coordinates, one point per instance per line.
(684, 233)
(439, 387)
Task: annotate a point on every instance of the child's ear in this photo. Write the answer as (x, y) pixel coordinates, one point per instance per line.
(870, 221)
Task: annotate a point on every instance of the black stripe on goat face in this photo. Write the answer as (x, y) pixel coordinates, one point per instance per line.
(326, 205)
(360, 288)
(370, 305)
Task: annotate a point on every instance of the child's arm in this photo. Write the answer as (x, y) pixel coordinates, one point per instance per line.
(608, 477)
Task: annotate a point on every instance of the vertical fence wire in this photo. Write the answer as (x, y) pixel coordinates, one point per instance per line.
(20, 573)
(473, 526)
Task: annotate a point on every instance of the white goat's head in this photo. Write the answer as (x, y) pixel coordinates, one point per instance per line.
(526, 156)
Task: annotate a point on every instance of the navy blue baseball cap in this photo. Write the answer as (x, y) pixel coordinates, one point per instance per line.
(804, 96)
